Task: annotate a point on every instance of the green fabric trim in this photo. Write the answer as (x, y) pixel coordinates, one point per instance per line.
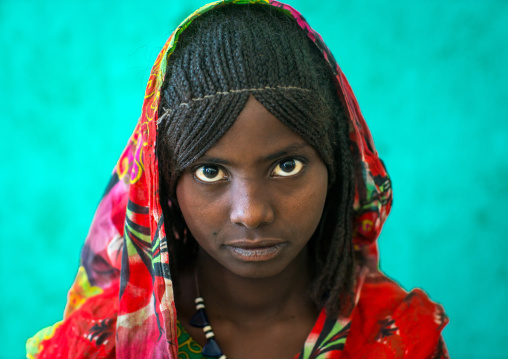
(188, 348)
(33, 343)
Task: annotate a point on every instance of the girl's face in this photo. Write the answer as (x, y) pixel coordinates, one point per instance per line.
(253, 201)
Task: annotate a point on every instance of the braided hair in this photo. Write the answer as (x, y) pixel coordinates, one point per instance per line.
(223, 57)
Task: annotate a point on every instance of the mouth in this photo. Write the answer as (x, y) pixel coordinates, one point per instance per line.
(255, 251)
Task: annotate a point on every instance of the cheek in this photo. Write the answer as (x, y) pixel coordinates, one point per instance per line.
(202, 213)
(317, 197)
(308, 205)
(191, 205)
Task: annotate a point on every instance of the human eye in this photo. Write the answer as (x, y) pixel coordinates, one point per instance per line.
(210, 173)
(288, 167)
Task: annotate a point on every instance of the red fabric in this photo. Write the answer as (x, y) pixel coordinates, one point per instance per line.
(87, 333)
(388, 322)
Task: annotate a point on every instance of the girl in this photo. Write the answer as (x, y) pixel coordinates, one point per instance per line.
(251, 184)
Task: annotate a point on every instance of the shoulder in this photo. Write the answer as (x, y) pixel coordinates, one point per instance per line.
(387, 321)
(88, 329)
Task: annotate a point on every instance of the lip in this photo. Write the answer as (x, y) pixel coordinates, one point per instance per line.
(256, 250)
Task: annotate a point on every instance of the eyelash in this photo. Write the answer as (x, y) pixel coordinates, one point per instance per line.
(301, 163)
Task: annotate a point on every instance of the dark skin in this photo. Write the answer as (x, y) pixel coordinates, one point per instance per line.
(247, 321)
(252, 203)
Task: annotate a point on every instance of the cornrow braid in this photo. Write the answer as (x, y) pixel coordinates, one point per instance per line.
(222, 58)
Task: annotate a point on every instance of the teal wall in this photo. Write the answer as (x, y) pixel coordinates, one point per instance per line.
(430, 77)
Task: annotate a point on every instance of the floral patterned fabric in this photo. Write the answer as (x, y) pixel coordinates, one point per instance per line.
(387, 322)
(121, 304)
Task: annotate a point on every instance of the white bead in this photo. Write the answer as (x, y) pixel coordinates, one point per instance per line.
(207, 328)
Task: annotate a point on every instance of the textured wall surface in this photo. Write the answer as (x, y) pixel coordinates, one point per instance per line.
(430, 77)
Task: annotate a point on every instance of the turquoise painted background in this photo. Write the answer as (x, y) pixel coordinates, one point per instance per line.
(431, 80)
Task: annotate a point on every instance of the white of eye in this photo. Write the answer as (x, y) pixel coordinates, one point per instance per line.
(288, 168)
(209, 174)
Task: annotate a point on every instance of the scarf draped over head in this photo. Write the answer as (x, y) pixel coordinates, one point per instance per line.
(122, 298)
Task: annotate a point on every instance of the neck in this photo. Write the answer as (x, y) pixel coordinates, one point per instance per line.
(240, 299)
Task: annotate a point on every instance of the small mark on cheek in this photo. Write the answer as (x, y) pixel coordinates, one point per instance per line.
(214, 234)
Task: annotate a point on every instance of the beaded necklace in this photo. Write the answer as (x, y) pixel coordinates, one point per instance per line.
(200, 320)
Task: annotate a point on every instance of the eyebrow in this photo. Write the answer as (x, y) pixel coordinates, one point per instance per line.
(281, 153)
(286, 151)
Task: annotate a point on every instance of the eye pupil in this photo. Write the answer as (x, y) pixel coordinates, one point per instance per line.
(210, 172)
(288, 166)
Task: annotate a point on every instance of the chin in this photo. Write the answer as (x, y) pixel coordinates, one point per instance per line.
(255, 271)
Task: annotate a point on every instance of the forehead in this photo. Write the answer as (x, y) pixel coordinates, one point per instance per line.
(256, 133)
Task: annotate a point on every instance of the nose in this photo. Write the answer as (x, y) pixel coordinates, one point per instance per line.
(251, 205)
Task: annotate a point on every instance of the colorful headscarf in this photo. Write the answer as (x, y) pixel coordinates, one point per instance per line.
(122, 298)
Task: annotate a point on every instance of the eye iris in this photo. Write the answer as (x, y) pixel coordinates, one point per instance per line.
(288, 166)
(210, 172)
